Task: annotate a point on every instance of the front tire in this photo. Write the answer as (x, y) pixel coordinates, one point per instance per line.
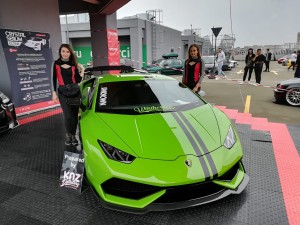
(292, 97)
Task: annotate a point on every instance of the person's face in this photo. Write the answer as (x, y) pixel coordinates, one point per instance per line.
(258, 52)
(65, 53)
(193, 52)
(250, 51)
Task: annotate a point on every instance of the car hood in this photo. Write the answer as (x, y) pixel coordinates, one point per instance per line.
(166, 136)
(290, 81)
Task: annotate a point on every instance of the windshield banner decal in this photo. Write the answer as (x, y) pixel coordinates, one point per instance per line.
(148, 109)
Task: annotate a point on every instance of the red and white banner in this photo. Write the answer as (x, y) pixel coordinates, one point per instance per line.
(113, 49)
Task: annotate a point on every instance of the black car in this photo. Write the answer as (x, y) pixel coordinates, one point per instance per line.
(8, 119)
(288, 91)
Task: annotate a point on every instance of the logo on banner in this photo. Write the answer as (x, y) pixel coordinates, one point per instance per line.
(14, 38)
(72, 171)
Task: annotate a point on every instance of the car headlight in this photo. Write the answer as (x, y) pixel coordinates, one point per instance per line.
(230, 138)
(116, 154)
(4, 98)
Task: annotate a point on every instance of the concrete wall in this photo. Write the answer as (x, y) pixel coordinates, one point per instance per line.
(167, 38)
(19, 14)
(136, 33)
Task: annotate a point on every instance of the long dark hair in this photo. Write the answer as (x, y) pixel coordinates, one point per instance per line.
(249, 52)
(73, 58)
(198, 54)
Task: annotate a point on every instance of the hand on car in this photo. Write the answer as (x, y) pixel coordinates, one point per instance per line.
(197, 87)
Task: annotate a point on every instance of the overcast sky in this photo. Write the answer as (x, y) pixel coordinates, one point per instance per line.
(258, 22)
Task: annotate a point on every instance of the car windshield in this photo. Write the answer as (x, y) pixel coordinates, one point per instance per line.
(208, 60)
(145, 96)
(164, 62)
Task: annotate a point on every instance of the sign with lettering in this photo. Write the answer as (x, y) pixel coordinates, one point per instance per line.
(72, 171)
(29, 61)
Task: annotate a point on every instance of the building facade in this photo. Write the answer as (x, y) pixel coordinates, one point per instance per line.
(141, 40)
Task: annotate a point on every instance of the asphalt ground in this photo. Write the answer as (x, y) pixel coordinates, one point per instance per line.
(228, 92)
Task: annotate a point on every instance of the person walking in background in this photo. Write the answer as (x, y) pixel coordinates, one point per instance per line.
(220, 60)
(293, 60)
(249, 65)
(194, 68)
(297, 72)
(268, 59)
(258, 60)
(65, 71)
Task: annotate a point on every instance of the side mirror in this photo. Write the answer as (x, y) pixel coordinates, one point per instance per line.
(85, 98)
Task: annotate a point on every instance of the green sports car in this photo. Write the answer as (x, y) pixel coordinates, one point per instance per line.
(151, 144)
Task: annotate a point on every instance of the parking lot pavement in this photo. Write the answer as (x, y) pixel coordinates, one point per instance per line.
(228, 92)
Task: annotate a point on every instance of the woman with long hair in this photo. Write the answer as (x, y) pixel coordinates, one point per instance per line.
(66, 72)
(194, 68)
(249, 65)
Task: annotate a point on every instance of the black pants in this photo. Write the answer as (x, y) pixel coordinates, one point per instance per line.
(297, 73)
(258, 69)
(292, 65)
(70, 114)
(267, 66)
(246, 71)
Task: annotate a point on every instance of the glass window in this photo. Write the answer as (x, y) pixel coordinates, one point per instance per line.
(208, 60)
(145, 96)
(177, 62)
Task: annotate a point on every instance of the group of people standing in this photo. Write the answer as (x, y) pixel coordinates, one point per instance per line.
(255, 62)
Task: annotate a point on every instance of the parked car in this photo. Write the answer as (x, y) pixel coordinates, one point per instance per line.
(280, 60)
(233, 63)
(8, 119)
(126, 62)
(150, 143)
(286, 62)
(168, 65)
(36, 43)
(209, 64)
(288, 91)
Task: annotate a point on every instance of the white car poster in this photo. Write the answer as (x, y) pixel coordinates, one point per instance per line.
(29, 61)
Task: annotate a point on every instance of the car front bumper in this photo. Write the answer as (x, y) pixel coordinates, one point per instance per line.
(172, 198)
(279, 95)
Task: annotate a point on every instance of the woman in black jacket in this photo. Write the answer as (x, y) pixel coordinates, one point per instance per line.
(65, 72)
(194, 68)
(249, 65)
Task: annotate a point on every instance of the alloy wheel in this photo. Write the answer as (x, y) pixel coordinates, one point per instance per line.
(293, 97)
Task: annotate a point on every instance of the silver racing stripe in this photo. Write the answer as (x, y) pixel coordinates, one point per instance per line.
(203, 146)
(195, 146)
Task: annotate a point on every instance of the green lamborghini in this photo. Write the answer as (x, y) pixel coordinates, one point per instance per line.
(151, 144)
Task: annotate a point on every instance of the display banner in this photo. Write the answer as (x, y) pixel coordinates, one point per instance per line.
(84, 55)
(72, 171)
(29, 61)
(113, 49)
